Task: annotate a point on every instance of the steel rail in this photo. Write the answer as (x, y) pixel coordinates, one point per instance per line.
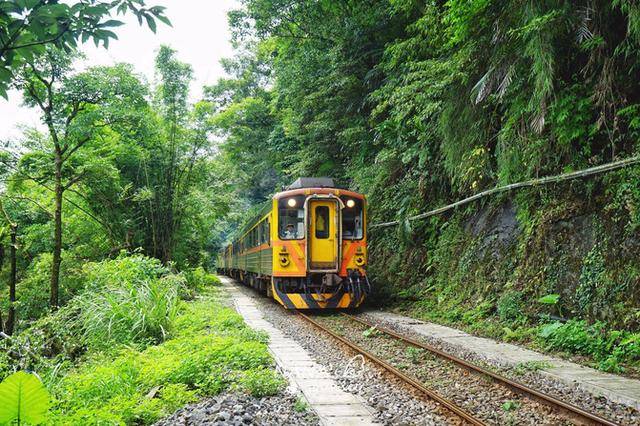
(399, 374)
(579, 413)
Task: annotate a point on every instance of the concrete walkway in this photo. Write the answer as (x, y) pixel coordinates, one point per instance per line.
(332, 404)
(615, 388)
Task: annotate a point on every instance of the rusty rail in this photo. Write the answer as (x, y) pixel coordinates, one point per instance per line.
(574, 411)
(399, 374)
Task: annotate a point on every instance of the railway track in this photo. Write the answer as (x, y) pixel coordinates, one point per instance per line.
(576, 414)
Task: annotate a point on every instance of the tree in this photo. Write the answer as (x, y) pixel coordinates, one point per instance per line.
(174, 165)
(70, 108)
(28, 26)
(12, 226)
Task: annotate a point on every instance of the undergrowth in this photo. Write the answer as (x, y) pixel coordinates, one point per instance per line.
(212, 351)
(138, 343)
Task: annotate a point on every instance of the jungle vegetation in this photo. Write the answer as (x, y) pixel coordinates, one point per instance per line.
(113, 213)
(418, 104)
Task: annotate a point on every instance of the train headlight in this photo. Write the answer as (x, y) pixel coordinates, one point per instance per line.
(359, 260)
(291, 202)
(350, 203)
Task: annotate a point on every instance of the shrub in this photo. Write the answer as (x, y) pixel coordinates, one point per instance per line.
(261, 382)
(128, 300)
(510, 306)
(197, 280)
(609, 348)
(212, 352)
(33, 299)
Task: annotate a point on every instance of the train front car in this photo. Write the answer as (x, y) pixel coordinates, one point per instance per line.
(319, 246)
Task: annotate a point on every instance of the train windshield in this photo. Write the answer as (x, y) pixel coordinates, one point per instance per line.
(352, 218)
(291, 217)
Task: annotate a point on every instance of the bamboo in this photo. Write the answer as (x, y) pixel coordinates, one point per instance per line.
(529, 183)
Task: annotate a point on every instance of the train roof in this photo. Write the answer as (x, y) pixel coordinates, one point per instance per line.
(312, 182)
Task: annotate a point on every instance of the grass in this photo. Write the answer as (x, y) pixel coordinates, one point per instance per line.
(212, 350)
(301, 406)
(138, 343)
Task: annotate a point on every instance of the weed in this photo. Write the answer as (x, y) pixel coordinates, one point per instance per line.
(261, 382)
(212, 350)
(415, 354)
(510, 306)
(510, 406)
(371, 332)
(608, 347)
(531, 366)
(301, 406)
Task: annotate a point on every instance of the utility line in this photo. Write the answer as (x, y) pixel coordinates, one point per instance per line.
(529, 183)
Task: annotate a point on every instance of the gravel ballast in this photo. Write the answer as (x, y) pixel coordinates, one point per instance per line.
(618, 413)
(239, 409)
(391, 402)
(483, 398)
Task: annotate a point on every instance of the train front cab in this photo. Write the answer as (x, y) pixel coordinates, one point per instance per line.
(319, 249)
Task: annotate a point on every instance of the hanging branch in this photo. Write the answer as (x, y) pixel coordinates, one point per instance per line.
(529, 183)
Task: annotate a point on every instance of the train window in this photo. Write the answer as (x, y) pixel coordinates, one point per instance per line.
(291, 217)
(352, 218)
(267, 226)
(322, 222)
(264, 229)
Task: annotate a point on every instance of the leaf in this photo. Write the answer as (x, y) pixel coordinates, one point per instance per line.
(548, 329)
(112, 23)
(151, 22)
(23, 398)
(549, 299)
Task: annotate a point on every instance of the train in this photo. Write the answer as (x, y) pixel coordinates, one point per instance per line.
(306, 248)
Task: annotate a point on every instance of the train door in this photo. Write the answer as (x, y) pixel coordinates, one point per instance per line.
(323, 235)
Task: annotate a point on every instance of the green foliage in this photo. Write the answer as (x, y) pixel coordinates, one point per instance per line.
(549, 299)
(29, 26)
(198, 279)
(371, 332)
(415, 354)
(261, 382)
(212, 350)
(510, 406)
(510, 305)
(23, 399)
(609, 348)
(128, 300)
(301, 405)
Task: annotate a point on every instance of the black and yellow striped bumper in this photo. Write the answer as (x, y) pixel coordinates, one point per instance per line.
(339, 300)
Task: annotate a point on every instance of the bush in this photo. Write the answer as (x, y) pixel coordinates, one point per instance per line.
(510, 306)
(198, 279)
(261, 382)
(128, 300)
(609, 348)
(214, 351)
(33, 297)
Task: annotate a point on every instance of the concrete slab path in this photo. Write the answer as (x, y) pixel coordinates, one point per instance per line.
(333, 405)
(615, 388)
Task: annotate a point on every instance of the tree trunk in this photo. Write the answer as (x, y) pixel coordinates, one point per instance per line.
(11, 320)
(57, 233)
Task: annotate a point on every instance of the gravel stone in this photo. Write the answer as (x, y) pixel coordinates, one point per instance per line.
(393, 403)
(396, 403)
(238, 410)
(618, 413)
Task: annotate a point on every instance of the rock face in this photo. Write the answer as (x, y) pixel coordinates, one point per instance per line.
(582, 248)
(239, 409)
(497, 229)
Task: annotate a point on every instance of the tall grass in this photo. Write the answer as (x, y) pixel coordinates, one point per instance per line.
(129, 300)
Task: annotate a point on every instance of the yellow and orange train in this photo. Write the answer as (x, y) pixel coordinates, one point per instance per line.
(307, 248)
